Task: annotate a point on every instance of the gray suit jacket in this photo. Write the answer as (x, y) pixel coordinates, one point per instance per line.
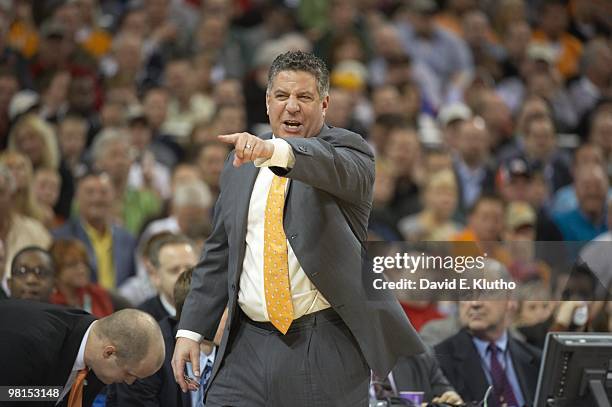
(326, 214)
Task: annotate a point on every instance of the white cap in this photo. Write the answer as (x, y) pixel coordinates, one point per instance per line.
(452, 112)
(21, 102)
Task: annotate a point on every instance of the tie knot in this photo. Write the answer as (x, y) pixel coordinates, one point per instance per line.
(492, 348)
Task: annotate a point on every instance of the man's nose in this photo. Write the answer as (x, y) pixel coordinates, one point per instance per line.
(292, 105)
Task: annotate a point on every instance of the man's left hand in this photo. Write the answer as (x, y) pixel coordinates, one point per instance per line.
(248, 147)
(449, 397)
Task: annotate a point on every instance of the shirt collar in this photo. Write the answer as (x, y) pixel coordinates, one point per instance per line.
(79, 363)
(170, 309)
(482, 345)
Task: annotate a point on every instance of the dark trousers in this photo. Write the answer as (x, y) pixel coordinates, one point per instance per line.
(316, 364)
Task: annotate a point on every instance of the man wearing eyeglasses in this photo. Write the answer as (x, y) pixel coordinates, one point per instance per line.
(32, 274)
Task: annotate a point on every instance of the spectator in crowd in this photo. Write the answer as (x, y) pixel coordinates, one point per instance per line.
(520, 247)
(535, 304)
(553, 23)
(382, 224)
(132, 207)
(185, 106)
(589, 219)
(46, 188)
(147, 171)
(16, 230)
(170, 257)
(516, 181)
(190, 206)
(403, 151)
(73, 280)
(475, 174)
(498, 120)
(485, 353)
(110, 248)
(210, 159)
(565, 198)
(434, 222)
(111, 352)
(444, 53)
(35, 138)
(600, 134)
(25, 201)
(32, 275)
(450, 118)
(484, 225)
(596, 73)
(540, 149)
(72, 137)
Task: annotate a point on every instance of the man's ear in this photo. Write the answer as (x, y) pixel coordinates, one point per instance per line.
(153, 274)
(109, 351)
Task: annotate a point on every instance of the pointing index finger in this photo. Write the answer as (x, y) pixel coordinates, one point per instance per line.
(228, 138)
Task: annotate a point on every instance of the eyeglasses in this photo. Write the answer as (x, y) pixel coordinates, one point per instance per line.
(40, 272)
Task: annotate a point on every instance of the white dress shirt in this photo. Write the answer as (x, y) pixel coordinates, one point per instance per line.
(79, 364)
(306, 298)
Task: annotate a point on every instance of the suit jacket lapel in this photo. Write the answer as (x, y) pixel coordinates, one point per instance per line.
(524, 367)
(470, 366)
(245, 177)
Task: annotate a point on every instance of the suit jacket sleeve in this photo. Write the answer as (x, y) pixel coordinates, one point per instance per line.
(337, 161)
(209, 294)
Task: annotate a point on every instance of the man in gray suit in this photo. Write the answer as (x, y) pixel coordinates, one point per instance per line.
(285, 256)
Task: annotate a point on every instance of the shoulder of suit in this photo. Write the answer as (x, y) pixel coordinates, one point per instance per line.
(340, 136)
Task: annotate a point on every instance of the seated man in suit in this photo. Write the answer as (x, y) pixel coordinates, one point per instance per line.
(32, 274)
(416, 373)
(169, 257)
(484, 353)
(110, 247)
(160, 389)
(49, 345)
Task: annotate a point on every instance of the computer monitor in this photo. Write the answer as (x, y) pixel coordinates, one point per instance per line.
(576, 370)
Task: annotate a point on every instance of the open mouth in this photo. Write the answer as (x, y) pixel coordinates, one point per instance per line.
(292, 124)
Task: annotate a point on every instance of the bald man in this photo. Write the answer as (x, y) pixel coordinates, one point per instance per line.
(48, 345)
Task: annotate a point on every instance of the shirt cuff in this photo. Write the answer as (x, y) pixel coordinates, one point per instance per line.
(281, 157)
(194, 336)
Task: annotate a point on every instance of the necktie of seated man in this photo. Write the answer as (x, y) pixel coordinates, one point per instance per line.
(276, 267)
(502, 390)
(75, 399)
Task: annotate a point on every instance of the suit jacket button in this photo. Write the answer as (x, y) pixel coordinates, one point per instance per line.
(293, 236)
(302, 148)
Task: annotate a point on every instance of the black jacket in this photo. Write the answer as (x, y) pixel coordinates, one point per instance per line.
(39, 343)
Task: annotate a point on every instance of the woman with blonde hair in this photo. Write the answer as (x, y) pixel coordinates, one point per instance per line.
(434, 222)
(23, 198)
(35, 138)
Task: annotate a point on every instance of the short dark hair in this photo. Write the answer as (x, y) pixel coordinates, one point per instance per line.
(181, 290)
(29, 249)
(301, 61)
(486, 197)
(165, 240)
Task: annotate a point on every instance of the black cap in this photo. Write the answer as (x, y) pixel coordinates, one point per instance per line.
(516, 167)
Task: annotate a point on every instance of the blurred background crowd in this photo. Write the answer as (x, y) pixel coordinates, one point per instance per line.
(491, 122)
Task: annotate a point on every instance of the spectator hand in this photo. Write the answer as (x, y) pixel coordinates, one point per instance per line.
(248, 147)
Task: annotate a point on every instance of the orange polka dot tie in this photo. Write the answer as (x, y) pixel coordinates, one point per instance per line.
(276, 267)
(75, 399)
